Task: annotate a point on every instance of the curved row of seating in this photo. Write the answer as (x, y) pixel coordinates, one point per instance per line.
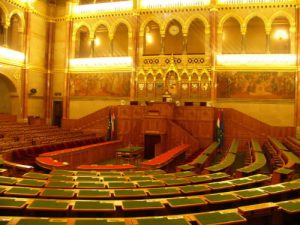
(124, 191)
(228, 159)
(282, 212)
(197, 203)
(259, 160)
(201, 160)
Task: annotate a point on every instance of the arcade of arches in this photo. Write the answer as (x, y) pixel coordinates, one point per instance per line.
(245, 57)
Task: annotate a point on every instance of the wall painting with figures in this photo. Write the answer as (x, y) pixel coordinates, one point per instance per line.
(100, 84)
(256, 85)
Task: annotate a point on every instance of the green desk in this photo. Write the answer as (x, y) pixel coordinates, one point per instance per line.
(87, 173)
(12, 203)
(185, 174)
(39, 176)
(90, 179)
(60, 184)
(194, 189)
(176, 182)
(134, 173)
(90, 185)
(62, 172)
(45, 205)
(164, 176)
(114, 178)
(57, 193)
(220, 185)
(219, 218)
(61, 178)
(97, 221)
(132, 154)
(185, 202)
(8, 180)
(275, 189)
(185, 167)
(290, 206)
(93, 206)
(218, 176)
(129, 193)
(292, 185)
(259, 178)
(163, 191)
(110, 173)
(121, 185)
(142, 205)
(154, 172)
(41, 221)
(242, 181)
(142, 177)
(251, 193)
(94, 193)
(221, 198)
(22, 191)
(199, 179)
(146, 184)
(31, 183)
(162, 221)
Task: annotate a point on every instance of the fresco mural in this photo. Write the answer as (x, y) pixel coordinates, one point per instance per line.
(112, 84)
(256, 85)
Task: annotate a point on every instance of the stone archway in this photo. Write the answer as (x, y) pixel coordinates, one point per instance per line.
(7, 95)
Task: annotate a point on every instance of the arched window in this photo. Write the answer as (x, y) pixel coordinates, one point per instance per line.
(152, 39)
(150, 86)
(141, 86)
(14, 33)
(101, 42)
(185, 86)
(82, 45)
(280, 41)
(256, 36)
(231, 37)
(173, 39)
(196, 38)
(120, 41)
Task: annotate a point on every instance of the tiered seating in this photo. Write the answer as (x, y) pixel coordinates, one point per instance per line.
(20, 135)
(228, 160)
(201, 160)
(258, 162)
(290, 161)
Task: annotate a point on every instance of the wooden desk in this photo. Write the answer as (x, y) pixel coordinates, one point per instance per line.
(131, 154)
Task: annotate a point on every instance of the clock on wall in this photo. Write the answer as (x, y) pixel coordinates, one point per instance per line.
(174, 30)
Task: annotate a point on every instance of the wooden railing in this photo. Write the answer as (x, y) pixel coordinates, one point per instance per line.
(244, 127)
(96, 122)
(177, 135)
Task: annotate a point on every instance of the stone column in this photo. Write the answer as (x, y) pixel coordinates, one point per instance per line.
(49, 73)
(25, 69)
(213, 47)
(297, 78)
(66, 96)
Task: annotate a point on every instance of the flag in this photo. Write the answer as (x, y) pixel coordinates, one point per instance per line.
(219, 128)
(109, 127)
(113, 126)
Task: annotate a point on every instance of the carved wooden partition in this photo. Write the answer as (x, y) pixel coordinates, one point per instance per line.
(243, 127)
(175, 125)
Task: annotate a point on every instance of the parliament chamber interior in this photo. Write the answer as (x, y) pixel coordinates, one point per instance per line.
(147, 112)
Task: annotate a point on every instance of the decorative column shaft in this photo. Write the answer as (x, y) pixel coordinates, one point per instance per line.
(66, 96)
(297, 79)
(25, 69)
(213, 46)
(49, 74)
